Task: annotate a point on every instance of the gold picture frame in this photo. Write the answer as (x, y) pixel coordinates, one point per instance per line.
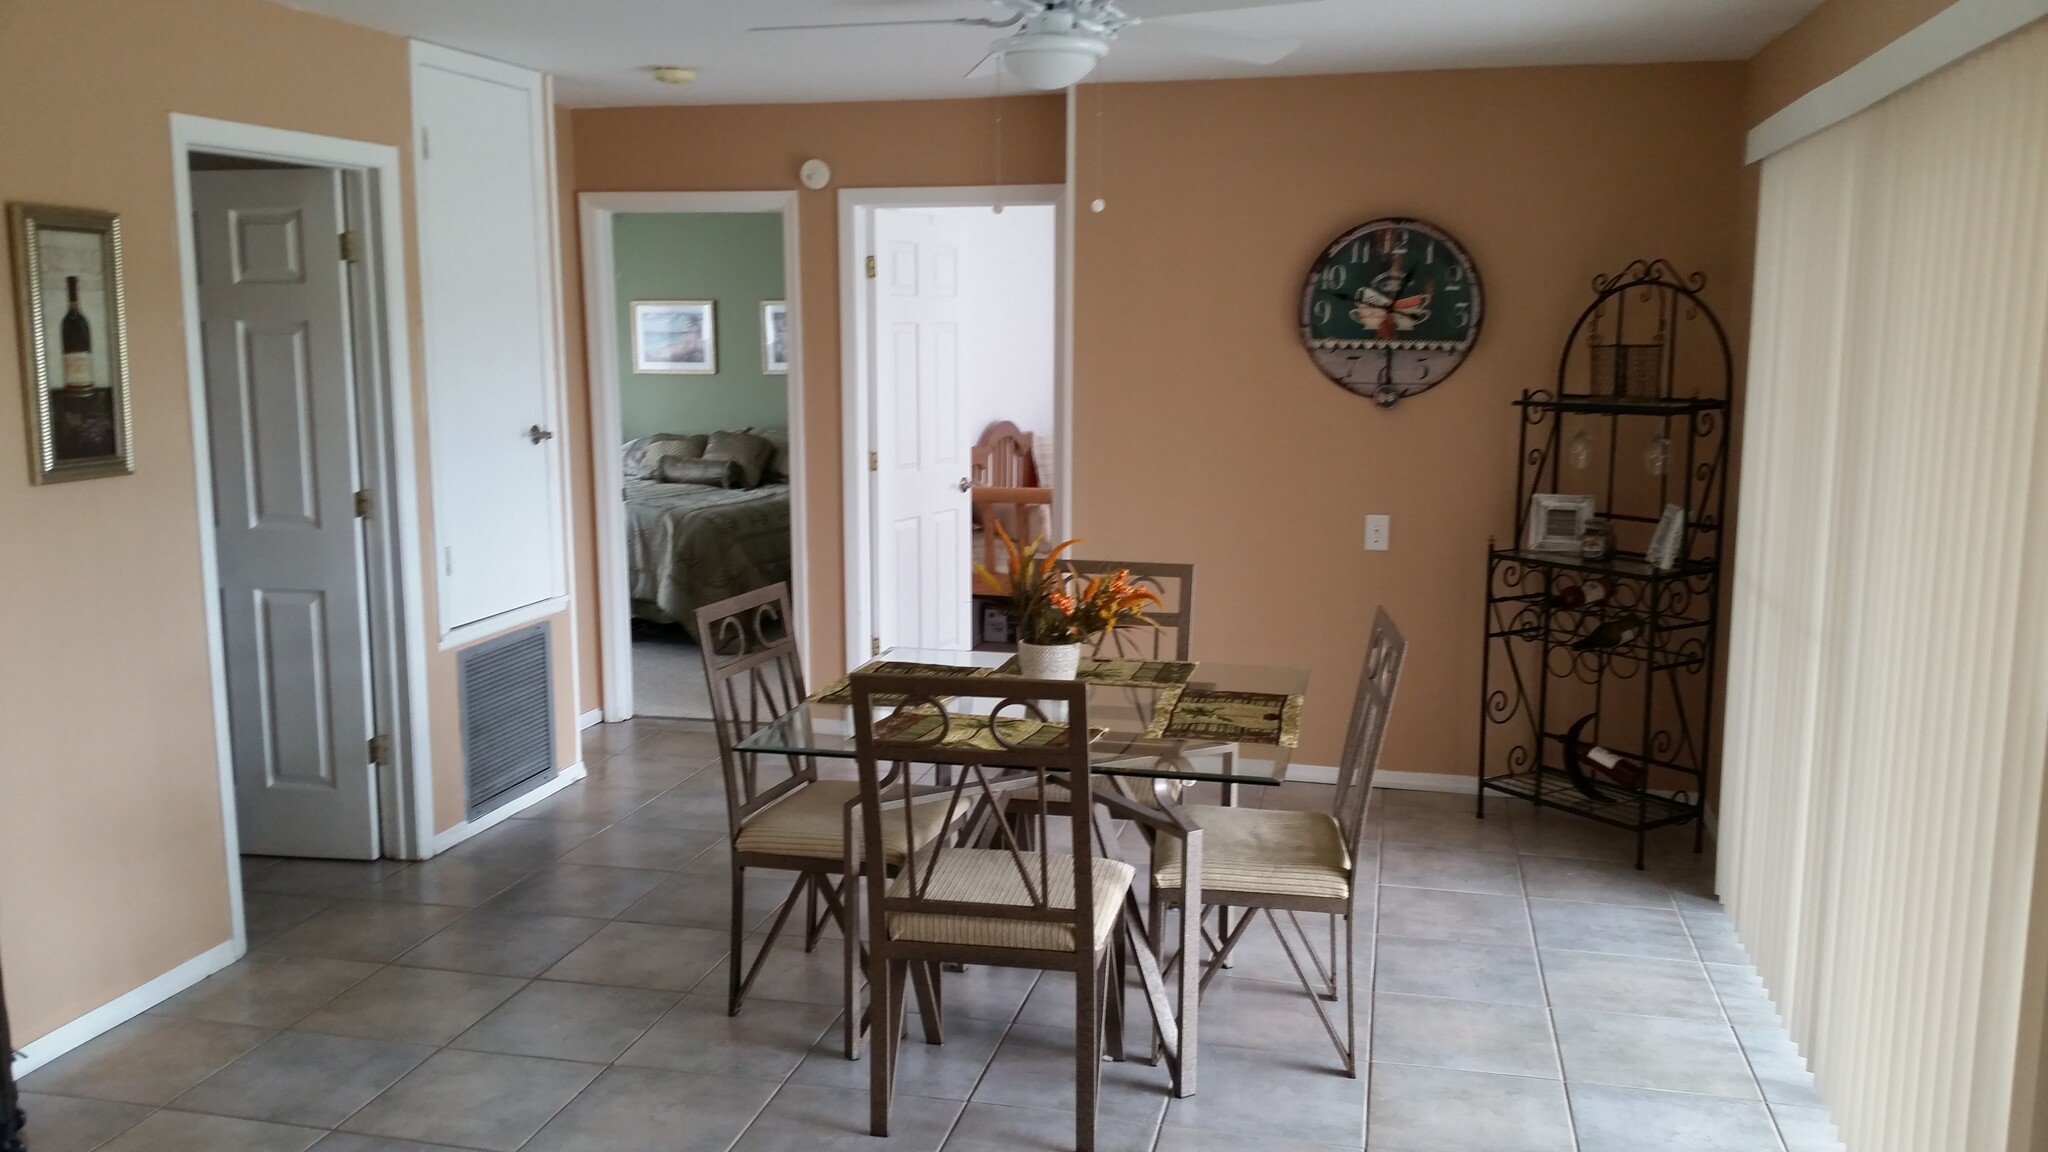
(68, 265)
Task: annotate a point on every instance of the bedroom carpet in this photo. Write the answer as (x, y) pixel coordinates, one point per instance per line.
(668, 676)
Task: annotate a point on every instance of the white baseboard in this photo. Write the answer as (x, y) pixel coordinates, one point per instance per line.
(122, 1009)
(590, 719)
(463, 831)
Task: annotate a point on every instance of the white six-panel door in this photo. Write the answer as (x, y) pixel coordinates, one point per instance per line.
(922, 544)
(281, 417)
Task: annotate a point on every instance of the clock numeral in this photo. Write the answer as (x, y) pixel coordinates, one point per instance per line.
(1333, 277)
(1455, 272)
(1462, 311)
(1422, 369)
(1429, 256)
(1322, 311)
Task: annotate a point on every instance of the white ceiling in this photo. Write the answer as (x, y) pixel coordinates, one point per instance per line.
(599, 50)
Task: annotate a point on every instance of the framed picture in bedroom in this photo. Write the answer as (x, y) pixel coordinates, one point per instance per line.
(774, 338)
(677, 337)
(70, 306)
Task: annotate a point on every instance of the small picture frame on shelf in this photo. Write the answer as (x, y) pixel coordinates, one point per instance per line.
(1665, 542)
(1556, 522)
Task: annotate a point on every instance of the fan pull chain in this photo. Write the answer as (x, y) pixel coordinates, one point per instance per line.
(999, 140)
(1101, 149)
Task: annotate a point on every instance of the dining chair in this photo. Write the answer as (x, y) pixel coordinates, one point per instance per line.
(784, 819)
(1275, 861)
(1004, 903)
(1169, 637)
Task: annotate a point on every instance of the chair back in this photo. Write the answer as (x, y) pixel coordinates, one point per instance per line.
(1369, 709)
(1169, 637)
(755, 675)
(1036, 730)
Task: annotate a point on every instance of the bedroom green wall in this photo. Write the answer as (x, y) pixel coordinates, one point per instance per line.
(732, 258)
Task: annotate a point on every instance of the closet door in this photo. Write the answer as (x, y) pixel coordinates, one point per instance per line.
(487, 306)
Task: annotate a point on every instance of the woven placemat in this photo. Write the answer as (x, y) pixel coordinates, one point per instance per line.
(840, 691)
(1160, 673)
(1269, 718)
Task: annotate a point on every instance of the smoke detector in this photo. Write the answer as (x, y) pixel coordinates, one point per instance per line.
(673, 74)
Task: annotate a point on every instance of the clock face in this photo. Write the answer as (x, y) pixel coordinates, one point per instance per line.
(1391, 309)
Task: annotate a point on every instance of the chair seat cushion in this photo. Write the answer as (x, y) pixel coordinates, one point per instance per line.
(990, 876)
(810, 823)
(1258, 850)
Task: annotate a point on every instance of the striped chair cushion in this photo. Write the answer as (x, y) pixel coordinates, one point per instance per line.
(989, 876)
(810, 823)
(1259, 850)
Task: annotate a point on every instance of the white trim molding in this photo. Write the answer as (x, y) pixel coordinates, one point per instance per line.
(443, 841)
(601, 331)
(590, 719)
(491, 626)
(857, 386)
(1946, 37)
(122, 1009)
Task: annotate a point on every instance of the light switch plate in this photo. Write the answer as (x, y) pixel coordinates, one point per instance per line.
(1376, 533)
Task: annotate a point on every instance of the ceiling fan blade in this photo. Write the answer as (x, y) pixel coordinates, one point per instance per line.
(970, 21)
(1208, 42)
(1154, 9)
(988, 65)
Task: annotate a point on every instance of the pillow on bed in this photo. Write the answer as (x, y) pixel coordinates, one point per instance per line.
(750, 452)
(715, 473)
(642, 458)
(778, 464)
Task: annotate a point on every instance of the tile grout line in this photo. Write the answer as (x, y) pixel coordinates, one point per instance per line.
(1748, 1062)
(1571, 1124)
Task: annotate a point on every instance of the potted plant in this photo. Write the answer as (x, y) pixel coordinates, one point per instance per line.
(1057, 611)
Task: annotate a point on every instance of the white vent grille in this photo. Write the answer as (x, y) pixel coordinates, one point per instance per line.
(508, 718)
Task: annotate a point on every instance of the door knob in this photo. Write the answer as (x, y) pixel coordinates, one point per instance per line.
(538, 434)
(965, 483)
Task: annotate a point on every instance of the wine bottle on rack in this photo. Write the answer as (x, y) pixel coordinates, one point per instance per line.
(1574, 597)
(75, 333)
(1609, 763)
(1612, 633)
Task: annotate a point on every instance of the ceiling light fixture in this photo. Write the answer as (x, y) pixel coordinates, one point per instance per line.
(673, 74)
(1052, 61)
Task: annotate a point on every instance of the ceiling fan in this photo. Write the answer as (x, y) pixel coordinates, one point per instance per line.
(1058, 42)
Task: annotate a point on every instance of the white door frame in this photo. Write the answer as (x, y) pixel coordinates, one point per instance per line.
(393, 559)
(601, 332)
(856, 370)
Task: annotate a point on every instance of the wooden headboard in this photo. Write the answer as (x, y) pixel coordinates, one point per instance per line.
(1002, 458)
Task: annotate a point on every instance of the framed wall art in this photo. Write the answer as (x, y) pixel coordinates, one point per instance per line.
(1556, 522)
(70, 306)
(774, 338)
(675, 336)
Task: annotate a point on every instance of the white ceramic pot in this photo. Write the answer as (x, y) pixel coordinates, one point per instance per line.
(1048, 661)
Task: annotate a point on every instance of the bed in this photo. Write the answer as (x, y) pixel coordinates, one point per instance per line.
(689, 545)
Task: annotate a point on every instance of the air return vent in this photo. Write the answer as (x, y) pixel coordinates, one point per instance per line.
(508, 720)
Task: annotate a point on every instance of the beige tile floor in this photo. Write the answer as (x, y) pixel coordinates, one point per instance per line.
(556, 985)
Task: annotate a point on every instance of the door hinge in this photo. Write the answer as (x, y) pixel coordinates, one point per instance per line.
(351, 248)
(874, 461)
(871, 267)
(874, 645)
(380, 750)
(363, 504)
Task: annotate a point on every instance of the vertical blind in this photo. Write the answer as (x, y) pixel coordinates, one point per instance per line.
(1888, 682)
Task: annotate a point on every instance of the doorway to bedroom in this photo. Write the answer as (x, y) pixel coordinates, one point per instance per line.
(698, 344)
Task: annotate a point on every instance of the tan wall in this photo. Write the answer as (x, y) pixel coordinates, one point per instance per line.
(1831, 39)
(576, 385)
(757, 147)
(1202, 431)
(109, 794)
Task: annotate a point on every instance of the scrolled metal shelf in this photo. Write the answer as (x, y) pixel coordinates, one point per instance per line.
(1632, 812)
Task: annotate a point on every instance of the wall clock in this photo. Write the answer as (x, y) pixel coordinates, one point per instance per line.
(1391, 308)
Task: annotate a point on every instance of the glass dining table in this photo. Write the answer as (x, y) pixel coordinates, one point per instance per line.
(1141, 747)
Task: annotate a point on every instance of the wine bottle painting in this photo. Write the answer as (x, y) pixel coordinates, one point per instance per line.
(67, 266)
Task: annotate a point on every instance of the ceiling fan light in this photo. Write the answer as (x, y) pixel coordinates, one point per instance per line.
(1050, 62)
